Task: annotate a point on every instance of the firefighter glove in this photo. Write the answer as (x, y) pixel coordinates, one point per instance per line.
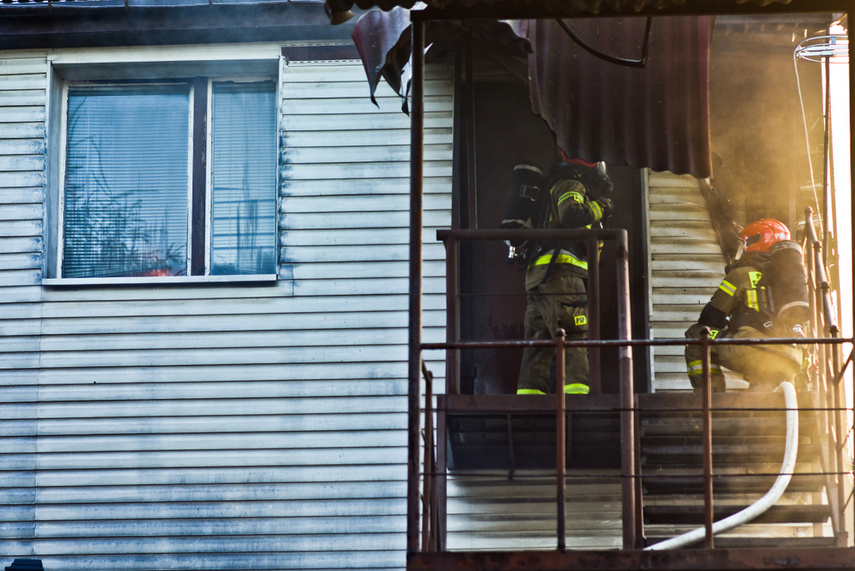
(602, 208)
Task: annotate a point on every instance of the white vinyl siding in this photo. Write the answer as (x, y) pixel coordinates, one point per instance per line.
(686, 266)
(221, 427)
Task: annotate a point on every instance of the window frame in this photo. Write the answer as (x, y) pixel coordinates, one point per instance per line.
(64, 75)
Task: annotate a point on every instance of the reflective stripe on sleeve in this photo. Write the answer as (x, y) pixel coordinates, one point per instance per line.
(727, 287)
(576, 196)
(530, 392)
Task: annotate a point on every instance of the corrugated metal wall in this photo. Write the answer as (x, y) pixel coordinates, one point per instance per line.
(686, 266)
(222, 427)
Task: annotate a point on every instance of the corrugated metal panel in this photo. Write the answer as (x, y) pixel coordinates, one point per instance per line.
(235, 428)
(686, 266)
(654, 115)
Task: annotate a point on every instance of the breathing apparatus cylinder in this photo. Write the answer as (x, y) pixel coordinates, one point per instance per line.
(526, 198)
(526, 207)
(786, 278)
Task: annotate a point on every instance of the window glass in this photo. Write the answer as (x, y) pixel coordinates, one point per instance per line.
(126, 181)
(243, 148)
(142, 198)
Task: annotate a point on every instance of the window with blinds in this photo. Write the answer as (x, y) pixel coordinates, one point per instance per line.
(170, 179)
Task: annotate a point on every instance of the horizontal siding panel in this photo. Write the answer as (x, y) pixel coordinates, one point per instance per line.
(209, 510)
(21, 162)
(11, 147)
(20, 278)
(21, 131)
(221, 527)
(389, 204)
(311, 104)
(23, 97)
(341, 386)
(21, 179)
(207, 425)
(29, 114)
(361, 253)
(313, 371)
(334, 473)
(96, 444)
(21, 228)
(362, 220)
(365, 237)
(210, 340)
(344, 122)
(349, 287)
(21, 196)
(204, 460)
(383, 195)
(321, 172)
(245, 356)
(317, 142)
(361, 154)
(396, 269)
(155, 301)
(29, 261)
(256, 560)
(199, 323)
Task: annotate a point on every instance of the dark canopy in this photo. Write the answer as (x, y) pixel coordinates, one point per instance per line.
(628, 91)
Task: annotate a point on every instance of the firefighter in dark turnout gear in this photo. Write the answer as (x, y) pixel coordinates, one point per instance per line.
(764, 294)
(555, 277)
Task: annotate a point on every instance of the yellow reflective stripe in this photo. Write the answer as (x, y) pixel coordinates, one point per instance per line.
(595, 208)
(561, 259)
(697, 368)
(727, 287)
(576, 389)
(530, 392)
(574, 195)
(751, 299)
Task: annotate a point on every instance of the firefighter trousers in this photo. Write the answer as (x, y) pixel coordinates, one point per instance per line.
(760, 364)
(560, 302)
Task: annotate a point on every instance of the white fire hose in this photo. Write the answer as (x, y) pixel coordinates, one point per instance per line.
(768, 500)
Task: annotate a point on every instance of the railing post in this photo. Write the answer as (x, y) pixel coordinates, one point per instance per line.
(630, 513)
(452, 308)
(707, 439)
(415, 294)
(560, 437)
(594, 330)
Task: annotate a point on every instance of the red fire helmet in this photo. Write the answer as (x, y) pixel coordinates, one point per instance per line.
(761, 235)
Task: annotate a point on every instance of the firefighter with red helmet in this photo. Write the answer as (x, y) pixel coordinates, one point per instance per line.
(556, 296)
(764, 294)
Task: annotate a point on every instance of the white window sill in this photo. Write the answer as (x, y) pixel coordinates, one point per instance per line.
(258, 279)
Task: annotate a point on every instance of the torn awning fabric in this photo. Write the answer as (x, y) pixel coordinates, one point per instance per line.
(610, 89)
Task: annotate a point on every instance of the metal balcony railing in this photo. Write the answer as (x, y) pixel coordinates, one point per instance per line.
(825, 343)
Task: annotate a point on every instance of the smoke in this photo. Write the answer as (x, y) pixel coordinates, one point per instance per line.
(761, 162)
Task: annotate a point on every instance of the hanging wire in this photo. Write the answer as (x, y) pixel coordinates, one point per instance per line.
(819, 47)
(828, 49)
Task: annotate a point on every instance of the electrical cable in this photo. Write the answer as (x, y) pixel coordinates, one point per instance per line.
(610, 58)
